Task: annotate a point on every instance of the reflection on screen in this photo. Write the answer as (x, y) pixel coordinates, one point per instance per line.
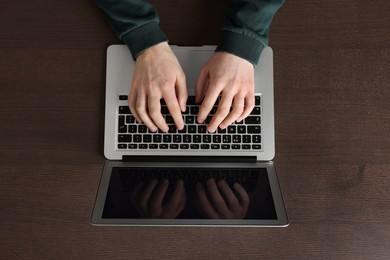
(189, 193)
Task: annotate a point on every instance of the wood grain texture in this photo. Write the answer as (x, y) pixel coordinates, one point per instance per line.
(332, 118)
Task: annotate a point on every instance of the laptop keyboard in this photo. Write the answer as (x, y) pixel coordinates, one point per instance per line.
(245, 135)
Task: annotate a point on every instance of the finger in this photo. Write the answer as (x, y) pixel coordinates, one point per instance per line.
(157, 197)
(181, 91)
(244, 197)
(174, 201)
(208, 103)
(135, 195)
(249, 105)
(237, 110)
(145, 195)
(155, 113)
(204, 203)
(182, 202)
(174, 108)
(219, 202)
(232, 200)
(222, 112)
(201, 84)
(143, 113)
(132, 104)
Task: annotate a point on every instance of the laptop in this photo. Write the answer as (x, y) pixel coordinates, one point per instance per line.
(188, 177)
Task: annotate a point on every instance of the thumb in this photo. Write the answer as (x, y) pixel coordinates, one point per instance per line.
(181, 91)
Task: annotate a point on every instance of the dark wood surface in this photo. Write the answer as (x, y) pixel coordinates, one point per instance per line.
(332, 114)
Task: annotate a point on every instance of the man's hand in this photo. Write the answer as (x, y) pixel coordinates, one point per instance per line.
(157, 75)
(148, 199)
(232, 78)
(218, 201)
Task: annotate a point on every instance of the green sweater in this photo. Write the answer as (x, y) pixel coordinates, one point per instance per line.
(244, 32)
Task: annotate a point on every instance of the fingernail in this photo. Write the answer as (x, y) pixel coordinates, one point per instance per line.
(211, 130)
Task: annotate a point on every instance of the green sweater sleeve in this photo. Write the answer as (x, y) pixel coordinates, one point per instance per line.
(136, 22)
(245, 31)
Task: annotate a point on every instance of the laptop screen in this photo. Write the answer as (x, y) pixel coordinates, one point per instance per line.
(189, 193)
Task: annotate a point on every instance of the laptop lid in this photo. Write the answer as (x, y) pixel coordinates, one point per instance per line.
(242, 194)
(120, 67)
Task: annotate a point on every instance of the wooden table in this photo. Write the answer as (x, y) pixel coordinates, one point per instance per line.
(332, 103)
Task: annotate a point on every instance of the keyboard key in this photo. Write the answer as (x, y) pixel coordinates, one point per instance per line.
(216, 138)
(225, 146)
(143, 146)
(194, 146)
(132, 146)
(124, 138)
(184, 146)
(124, 110)
(236, 146)
(132, 129)
(197, 138)
(246, 138)
(191, 129)
(246, 146)
(256, 139)
(142, 129)
(231, 129)
(122, 97)
(122, 129)
(173, 146)
(204, 146)
(137, 138)
(147, 138)
(153, 146)
(167, 138)
(215, 146)
(177, 138)
(256, 111)
(253, 120)
(241, 129)
(221, 131)
(121, 121)
(187, 138)
(256, 147)
(122, 146)
(236, 139)
(226, 139)
(206, 138)
(157, 138)
(254, 129)
(163, 146)
(172, 129)
(194, 110)
(169, 120)
(202, 129)
(257, 100)
(190, 119)
(130, 119)
(183, 131)
(164, 110)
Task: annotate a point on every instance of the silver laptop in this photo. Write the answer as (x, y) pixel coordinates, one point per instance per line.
(188, 177)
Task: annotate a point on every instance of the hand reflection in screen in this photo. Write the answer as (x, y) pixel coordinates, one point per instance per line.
(148, 199)
(224, 204)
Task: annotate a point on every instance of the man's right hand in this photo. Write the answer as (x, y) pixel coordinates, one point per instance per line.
(157, 75)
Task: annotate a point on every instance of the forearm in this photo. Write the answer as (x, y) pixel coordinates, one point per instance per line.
(136, 22)
(245, 31)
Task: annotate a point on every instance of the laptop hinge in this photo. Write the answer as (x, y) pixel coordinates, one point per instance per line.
(135, 158)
